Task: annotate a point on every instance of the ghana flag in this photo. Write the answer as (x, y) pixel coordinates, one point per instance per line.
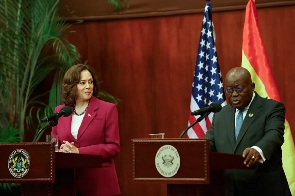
(255, 60)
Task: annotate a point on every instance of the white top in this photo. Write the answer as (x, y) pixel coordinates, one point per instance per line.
(76, 123)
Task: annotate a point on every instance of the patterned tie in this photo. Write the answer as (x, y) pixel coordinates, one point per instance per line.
(239, 122)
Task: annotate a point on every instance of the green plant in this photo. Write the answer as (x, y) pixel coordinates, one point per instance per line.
(8, 134)
(119, 5)
(8, 188)
(31, 36)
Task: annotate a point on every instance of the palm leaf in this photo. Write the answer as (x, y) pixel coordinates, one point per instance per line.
(108, 97)
(8, 186)
(31, 32)
(9, 134)
(119, 5)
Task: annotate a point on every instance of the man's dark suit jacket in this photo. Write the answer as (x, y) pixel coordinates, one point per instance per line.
(263, 126)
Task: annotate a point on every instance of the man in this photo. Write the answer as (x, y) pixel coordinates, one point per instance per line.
(253, 127)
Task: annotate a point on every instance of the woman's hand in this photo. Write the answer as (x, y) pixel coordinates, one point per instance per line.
(68, 147)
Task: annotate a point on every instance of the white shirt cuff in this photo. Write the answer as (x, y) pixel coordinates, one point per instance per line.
(261, 154)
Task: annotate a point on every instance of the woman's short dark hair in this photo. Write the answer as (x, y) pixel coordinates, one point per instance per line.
(70, 81)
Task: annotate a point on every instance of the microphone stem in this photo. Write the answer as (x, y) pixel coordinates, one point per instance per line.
(40, 132)
(191, 125)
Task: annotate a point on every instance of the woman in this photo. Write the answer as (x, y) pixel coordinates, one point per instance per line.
(91, 129)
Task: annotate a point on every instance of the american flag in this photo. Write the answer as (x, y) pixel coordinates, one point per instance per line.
(207, 86)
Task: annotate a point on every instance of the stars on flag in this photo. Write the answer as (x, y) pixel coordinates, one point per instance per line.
(207, 86)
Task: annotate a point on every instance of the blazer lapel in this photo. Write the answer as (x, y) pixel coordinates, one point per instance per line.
(252, 113)
(88, 117)
(66, 122)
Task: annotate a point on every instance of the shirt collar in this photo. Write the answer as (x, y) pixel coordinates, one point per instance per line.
(248, 106)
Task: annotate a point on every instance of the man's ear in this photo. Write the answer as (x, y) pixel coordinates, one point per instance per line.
(253, 85)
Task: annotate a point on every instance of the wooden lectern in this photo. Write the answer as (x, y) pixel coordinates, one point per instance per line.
(40, 170)
(199, 171)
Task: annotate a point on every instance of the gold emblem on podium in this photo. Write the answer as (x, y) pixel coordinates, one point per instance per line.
(19, 163)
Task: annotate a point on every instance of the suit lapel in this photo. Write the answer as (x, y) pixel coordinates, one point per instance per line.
(89, 116)
(252, 113)
(230, 126)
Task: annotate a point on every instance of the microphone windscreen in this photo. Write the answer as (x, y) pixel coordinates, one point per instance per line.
(217, 106)
(67, 111)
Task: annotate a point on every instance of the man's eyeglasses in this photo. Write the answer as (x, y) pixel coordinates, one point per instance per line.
(238, 89)
(230, 90)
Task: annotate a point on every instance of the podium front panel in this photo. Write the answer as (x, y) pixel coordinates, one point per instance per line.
(27, 162)
(193, 164)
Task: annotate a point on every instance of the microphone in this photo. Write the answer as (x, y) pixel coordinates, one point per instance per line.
(213, 107)
(65, 111)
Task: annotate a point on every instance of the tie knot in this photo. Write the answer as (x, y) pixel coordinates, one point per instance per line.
(240, 111)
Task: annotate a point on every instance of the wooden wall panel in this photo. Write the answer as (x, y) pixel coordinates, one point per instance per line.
(101, 9)
(148, 63)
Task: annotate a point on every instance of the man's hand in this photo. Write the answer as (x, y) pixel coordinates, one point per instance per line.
(251, 156)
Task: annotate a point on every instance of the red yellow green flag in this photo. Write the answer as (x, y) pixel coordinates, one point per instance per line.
(255, 60)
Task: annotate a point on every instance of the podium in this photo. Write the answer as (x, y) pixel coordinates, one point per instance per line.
(41, 170)
(186, 166)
